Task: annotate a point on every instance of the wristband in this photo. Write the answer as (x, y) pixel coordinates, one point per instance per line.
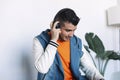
(53, 43)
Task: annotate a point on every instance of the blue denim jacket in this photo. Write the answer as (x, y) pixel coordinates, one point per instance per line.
(56, 70)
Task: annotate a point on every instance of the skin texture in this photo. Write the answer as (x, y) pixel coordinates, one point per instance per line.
(67, 31)
(64, 33)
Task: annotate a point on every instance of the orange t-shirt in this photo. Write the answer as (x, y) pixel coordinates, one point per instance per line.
(64, 52)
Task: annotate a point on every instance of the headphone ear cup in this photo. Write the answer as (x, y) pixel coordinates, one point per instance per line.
(57, 26)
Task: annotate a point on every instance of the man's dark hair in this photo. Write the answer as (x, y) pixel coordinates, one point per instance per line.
(66, 15)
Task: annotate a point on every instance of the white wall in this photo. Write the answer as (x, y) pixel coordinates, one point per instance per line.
(22, 20)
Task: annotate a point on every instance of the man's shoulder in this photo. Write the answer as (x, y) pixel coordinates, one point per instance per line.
(45, 32)
(43, 36)
(76, 38)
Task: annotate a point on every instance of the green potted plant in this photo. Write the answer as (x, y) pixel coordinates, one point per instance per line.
(102, 56)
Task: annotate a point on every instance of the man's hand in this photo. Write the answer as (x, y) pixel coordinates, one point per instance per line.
(54, 32)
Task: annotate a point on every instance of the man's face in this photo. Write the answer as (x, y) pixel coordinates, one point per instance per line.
(67, 31)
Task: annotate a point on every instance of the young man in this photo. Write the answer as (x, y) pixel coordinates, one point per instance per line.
(58, 52)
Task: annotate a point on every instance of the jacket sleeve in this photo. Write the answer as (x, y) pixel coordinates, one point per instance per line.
(89, 69)
(43, 58)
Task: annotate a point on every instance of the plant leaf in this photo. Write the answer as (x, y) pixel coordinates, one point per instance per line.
(107, 54)
(87, 48)
(88, 38)
(95, 43)
(113, 55)
(99, 47)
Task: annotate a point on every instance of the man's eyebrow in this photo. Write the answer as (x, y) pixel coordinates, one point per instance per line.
(70, 29)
